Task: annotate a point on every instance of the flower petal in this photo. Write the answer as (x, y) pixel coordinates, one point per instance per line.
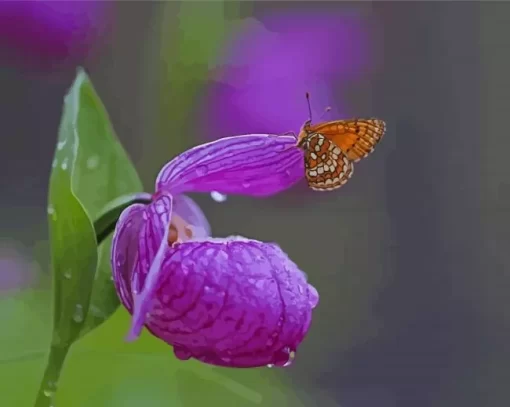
(152, 246)
(124, 257)
(255, 164)
(231, 302)
(191, 213)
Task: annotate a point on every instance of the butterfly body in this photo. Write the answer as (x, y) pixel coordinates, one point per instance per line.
(332, 148)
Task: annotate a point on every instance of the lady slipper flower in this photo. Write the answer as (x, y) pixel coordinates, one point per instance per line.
(233, 301)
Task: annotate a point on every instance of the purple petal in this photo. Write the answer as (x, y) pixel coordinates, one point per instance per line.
(124, 256)
(256, 165)
(152, 247)
(231, 302)
(191, 213)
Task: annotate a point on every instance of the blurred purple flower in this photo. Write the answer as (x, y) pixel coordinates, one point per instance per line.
(17, 269)
(270, 65)
(232, 301)
(49, 33)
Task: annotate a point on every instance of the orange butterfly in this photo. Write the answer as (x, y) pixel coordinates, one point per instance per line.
(332, 148)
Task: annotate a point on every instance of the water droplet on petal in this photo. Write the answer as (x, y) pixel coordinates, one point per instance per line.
(182, 353)
(246, 184)
(160, 208)
(270, 365)
(64, 164)
(288, 173)
(218, 197)
(284, 357)
(121, 260)
(92, 162)
(201, 170)
(292, 356)
(78, 313)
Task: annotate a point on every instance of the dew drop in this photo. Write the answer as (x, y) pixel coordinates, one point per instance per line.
(182, 353)
(201, 170)
(64, 164)
(67, 275)
(288, 173)
(54, 163)
(48, 393)
(160, 208)
(121, 260)
(270, 365)
(284, 357)
(218, 197)
(51, 212)
(61, 144)
(246, 184)
(292, 356)
(78, 313)
(92, 162)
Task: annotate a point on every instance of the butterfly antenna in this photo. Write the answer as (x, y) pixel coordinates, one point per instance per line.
(309, 106)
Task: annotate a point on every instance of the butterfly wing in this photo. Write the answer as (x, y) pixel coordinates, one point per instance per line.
(356, 138)
(327, 167)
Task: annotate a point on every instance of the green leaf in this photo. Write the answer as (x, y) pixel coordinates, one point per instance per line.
(103, 173)
(90, 168)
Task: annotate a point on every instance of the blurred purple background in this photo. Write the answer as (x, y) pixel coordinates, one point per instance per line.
(269, 64)
(50, 35)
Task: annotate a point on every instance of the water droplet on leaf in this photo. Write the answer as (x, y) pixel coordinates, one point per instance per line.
(51, 211)
(64, 164)
(92, 162)
(61, 144)
(218, 197)
(54, 163)
(78, 313)
(67, 275)
(48, 393)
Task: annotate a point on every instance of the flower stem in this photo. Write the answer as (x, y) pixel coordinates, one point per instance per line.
(46, 394)
(105, 223)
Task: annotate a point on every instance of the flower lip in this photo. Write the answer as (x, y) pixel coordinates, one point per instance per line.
(254, 164)
(230, 301)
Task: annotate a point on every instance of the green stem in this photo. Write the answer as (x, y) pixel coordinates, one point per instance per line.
(48, 387)
(103, 226)
(106, 221)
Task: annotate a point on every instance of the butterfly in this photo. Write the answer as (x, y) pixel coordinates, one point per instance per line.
(332, 148)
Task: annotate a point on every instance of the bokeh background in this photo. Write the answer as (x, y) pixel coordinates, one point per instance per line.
(410, 257)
